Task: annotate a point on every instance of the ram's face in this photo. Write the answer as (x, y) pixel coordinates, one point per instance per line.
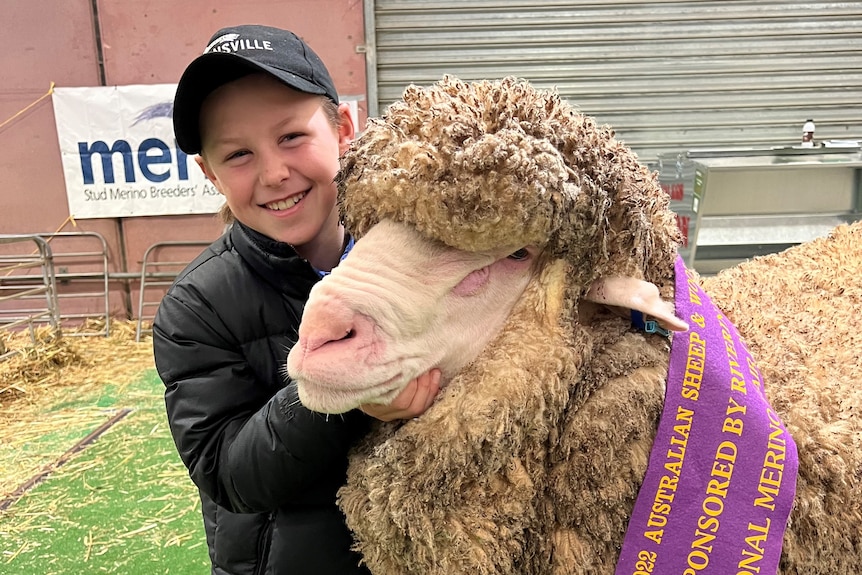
(398, 306)
(456, 194)
(453, 196)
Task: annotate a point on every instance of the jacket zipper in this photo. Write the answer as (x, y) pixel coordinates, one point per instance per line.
(263, 544)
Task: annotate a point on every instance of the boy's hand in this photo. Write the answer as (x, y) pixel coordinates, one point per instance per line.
(411, 402)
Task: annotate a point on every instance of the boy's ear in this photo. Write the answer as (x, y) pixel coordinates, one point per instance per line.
(202, 164)
(346, 127)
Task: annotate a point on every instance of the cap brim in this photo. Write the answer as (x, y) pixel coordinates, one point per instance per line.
(208, 72)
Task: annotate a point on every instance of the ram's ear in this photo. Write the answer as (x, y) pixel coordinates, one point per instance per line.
(635, 294)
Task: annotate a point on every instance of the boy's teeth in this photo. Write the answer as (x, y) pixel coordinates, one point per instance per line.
(285, 204)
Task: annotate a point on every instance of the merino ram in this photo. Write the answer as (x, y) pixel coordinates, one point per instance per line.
(504, 239)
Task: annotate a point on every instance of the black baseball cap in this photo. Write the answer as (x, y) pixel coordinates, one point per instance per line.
(236, 52)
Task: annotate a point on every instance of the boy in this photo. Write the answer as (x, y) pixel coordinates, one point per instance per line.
(261, 111)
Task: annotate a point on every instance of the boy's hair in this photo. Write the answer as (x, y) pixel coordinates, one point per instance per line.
(330, 109)
(236, 52)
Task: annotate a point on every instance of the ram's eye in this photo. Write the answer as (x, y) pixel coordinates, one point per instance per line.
(519, 255)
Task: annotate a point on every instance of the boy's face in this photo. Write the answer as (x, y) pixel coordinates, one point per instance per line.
(273, 154)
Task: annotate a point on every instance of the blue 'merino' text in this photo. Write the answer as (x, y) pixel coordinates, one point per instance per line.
(152, 152)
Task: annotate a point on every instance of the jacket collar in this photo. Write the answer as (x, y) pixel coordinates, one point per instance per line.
(275, 261)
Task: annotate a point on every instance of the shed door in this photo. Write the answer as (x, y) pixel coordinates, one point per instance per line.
(666, 75)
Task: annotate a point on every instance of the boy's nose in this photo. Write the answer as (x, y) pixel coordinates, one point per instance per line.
(273, 171)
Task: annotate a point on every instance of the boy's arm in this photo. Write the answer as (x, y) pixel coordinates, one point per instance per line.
(246, 449)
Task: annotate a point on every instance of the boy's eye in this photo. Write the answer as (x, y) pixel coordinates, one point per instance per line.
(290, 137)
(236, 154)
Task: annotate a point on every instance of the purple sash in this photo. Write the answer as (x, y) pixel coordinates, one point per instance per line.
(722, 471)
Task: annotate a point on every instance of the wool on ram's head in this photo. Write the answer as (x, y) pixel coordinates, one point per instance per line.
(477, 206)
(483, 165)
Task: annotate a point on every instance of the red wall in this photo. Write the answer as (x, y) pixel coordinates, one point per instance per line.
(142, 42)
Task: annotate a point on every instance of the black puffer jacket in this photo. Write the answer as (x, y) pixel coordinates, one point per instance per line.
(221, 337)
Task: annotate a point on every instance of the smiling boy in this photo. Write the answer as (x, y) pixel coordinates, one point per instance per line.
(262, 113)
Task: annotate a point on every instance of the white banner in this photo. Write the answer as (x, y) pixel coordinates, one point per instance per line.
(119, 154)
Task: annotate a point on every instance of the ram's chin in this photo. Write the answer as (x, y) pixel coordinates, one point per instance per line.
(324, 399)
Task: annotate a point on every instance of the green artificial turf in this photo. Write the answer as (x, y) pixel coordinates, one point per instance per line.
(123, 505)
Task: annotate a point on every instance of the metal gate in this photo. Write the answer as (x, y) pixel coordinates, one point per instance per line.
(58, 278)
(81, 277)
(667, 75)
(28, 292)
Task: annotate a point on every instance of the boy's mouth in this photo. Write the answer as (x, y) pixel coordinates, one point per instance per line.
(286, 203)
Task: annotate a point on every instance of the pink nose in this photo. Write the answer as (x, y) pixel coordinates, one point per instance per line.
(330, 322)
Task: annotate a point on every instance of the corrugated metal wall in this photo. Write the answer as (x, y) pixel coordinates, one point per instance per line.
(667, 75)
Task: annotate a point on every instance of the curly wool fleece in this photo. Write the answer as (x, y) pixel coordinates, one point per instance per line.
(531, 459)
